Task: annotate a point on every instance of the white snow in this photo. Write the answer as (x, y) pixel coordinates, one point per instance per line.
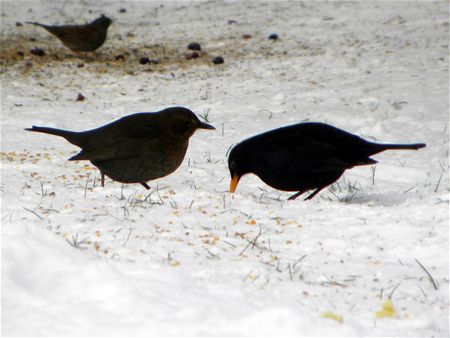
(187, 257)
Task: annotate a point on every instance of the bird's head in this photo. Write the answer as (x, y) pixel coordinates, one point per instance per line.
(238, 166)
(102, 21)
(184, 122)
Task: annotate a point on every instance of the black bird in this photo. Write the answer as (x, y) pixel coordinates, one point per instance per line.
(81, 38)
(136, 148)
(303, 157)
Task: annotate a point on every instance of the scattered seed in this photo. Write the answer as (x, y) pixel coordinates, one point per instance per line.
(218, 60)
(37, 51)
(193, 55)
(144, 60)
(194, 46)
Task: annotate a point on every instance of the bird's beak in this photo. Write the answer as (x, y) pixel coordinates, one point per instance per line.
(203, 125)
(233, 183)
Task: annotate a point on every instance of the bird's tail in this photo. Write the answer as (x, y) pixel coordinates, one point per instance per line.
(36, 23)
(70, 136)
(413, 146)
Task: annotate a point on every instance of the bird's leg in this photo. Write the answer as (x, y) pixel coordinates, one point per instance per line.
(102, 175)
(314, 193)
(293, 197)
(145, 185)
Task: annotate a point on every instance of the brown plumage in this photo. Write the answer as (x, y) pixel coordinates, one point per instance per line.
(81, 38)
(136, 148)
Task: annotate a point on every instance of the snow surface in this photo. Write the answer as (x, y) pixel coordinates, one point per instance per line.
(188, 257)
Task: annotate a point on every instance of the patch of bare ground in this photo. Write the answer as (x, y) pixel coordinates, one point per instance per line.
(25, 55)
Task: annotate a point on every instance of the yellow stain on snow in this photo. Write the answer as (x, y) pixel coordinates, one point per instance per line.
(174, 263)
(332, 316)
(387, 310)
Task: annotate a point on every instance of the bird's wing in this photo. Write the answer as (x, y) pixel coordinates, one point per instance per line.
(126, 140)
(302, 156)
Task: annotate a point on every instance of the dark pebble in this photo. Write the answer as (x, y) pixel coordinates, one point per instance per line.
(37, 51)
(80, 65)
(218, 60)
(194, 46)
(120, 57)
(246, 36)
(273, 36)
(144, 60)
(32, 39)
(231, 21)
(19, 24)
(20, 53)
(193, 55)
(122, 10)
(80, 97)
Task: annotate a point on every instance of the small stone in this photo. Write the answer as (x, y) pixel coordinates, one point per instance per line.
(122, 10)
(144, 60)
(218, 60)
(120, 57)
(80, 97)
(231, 21)
(273, 36)
(246, 36)
(37, 51)
(80, 65)
(19, 24)
(190, 56)
(194, 46)
(20, 53)
(32, 39)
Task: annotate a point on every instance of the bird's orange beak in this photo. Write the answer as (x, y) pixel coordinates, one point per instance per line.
(233, 183)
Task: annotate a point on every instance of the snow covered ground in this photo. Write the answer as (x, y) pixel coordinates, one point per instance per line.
(187, 257)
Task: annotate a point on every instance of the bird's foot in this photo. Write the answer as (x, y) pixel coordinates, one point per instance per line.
(314, 193)
(145, 185)
(293, 197)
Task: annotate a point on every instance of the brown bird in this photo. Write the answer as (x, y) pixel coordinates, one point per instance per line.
(136, 148)
(304, 156)
(81, 38)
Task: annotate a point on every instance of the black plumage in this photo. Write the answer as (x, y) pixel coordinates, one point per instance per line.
(302, 157)
(136, 148)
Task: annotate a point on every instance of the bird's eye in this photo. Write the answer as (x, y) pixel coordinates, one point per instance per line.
(183, 126)
(232, 166)
(187, 125)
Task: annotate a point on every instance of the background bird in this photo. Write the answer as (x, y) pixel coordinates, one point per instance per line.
(303, 157)
(81, 38)
(136, 148)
